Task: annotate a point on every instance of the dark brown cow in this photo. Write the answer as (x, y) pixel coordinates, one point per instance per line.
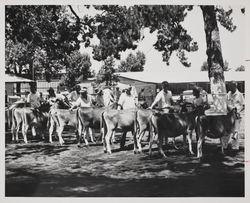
(220, 127)
(173, 125)
(118, 119)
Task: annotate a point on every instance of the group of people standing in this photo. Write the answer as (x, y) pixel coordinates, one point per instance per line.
(127, 99)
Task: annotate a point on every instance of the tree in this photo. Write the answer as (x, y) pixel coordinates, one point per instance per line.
(119, 29)
(204, 66)
(42, 36)
(77, 65)
(133, 63)
(106, 73)
(240, 68)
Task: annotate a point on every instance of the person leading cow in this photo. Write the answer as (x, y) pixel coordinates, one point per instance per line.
(163, 98)
(127, 100)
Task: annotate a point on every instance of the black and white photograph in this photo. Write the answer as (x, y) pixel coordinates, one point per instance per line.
(125, 100)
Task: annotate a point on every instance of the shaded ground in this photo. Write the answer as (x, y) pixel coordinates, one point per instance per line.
(43, 169)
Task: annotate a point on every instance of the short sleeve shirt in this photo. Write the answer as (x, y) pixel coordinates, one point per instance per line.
(34, 100)
(127, 101)
(236, 100)
(163, 99)
(82, 102)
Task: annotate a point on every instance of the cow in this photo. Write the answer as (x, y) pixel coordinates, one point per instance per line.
(29, 117)
(90, 118)
(59, 118)
(174, 125)
(118, 119)
(143, 119)
(216, 126)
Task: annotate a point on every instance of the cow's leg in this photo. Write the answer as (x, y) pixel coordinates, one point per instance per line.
(152, 136)
(91, 135)
(17, 130)
(141, 134)
(184, 141)
(24, 132)
(33, 131)
(113, 138)
(123, 140)
(85, 136)
(79, 134)
(199, 146)
(222, 148)
(160, 138)
(13, 130)
(189, 139)
(51, 129)
(107, 140)
(59, 133)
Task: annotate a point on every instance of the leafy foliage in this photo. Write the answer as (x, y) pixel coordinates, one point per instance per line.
(106, 73)
(45, 33)
(119, 28)
(133, 63)
(77, 65)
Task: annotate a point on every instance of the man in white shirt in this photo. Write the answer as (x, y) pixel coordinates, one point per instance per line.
(34, 97)
(74, 95)
(85, 100)
(127, 100)
(163, 98)
(235, 99)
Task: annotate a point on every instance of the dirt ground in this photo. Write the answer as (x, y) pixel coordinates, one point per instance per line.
(42, 169)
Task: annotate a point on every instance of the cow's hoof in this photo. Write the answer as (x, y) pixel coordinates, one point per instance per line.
(105, 151)
(79, 146)
(135, 151)
(191, 153)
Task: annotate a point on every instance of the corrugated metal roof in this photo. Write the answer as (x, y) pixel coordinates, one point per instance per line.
(185, 76)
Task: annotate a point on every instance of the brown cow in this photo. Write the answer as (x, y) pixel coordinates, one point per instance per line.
(118, 119)
(29, 117)
(143, 119)
(221, 126)
(90, 118)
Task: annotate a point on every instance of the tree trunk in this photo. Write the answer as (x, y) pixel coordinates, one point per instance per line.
(214, 60)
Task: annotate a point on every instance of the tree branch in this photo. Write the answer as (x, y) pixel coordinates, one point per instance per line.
(72, 10)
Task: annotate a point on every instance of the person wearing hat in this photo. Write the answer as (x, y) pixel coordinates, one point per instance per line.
(75, 94)
(127, 100)
(235, 99)
(85, 100)
(34, 97)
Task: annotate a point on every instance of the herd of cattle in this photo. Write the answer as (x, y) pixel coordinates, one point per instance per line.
(160, 125)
